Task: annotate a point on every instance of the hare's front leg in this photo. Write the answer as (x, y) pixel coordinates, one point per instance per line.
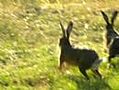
(61, 62)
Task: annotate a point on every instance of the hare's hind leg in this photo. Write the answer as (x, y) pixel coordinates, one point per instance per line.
(97, 73)
(83, 71)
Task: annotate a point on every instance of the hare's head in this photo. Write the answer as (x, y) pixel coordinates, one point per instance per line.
(64, 40)
(109, 25)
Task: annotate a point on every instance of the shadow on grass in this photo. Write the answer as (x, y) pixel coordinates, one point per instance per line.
(92, 84)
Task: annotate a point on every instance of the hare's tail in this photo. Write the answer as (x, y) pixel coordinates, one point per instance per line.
(96, 64)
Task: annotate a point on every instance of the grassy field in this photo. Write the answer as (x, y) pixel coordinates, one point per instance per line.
(29, 51)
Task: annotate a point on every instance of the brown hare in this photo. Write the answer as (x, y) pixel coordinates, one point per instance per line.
(83, 58)
(111, 36)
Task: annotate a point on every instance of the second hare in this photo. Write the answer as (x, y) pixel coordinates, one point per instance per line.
(112, 37)
(83, 58)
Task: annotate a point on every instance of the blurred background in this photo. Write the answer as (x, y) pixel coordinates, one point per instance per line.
(29, 37)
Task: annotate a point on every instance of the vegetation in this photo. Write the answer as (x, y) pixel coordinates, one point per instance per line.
(29, 51)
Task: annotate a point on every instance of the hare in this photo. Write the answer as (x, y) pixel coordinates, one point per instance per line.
(111, 36)
(110, 32)
(83, 58)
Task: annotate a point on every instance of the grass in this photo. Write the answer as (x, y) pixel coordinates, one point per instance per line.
(29, 51)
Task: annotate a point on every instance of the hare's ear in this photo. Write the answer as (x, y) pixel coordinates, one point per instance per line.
(63, 30)
(69, 28)
(114, 15)
(105, 17)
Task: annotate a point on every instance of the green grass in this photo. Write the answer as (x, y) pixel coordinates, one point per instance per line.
(29, 51)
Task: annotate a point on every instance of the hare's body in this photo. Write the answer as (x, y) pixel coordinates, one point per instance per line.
(83, 58)
(114, 48)
(79, 57)
(112, 37)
